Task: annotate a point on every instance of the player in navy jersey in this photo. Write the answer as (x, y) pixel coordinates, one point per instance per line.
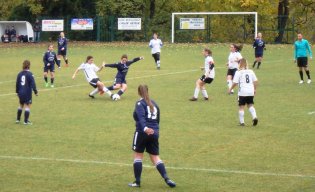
(25, 84)
(146, 136)
(62, 48)
(49, 59)
(259, 46)
(122, 70)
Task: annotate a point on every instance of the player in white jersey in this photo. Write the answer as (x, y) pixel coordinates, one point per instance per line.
(247, 82)
(207, 78)
(90, 69)
(155, 45)
(232, 65)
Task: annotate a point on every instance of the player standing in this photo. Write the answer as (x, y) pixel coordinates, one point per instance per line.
(62, 48)
(146, 136)
(25, 83)
(233, 60)
(155, 45)
(90, 69)
(259, 46)
(301, 47)
(207, 78)
(122, 70)
(49, 59)
(247, 81)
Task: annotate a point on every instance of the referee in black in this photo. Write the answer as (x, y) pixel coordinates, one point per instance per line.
(146, 136)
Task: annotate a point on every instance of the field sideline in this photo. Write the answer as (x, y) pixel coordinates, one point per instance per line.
(79, 144)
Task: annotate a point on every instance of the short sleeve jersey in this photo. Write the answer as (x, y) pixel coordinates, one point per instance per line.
(209, 66)
(89, 71)
(234, 57)
(155, 45)
(245, 80)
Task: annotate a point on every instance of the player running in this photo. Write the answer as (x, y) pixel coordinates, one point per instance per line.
(156, 45)
(207, 78)
(259, 46)
(247, 82)
(49, 59)
(25, 83)
(62, 48)
(90, 69)
(146, 136)
(122, 70)
(233, 60)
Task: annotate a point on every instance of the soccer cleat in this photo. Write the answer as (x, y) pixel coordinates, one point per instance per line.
(134, 184)
(309, 81)
(170, 183)
(28, 123)
(193, 99)
(206, 98)
(46, 84)
(255, 122)
(52, 86)
(301, 82)
(17, 122)
(242, 124)
(92, 96)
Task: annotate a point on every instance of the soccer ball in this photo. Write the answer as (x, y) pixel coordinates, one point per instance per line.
(115, 97)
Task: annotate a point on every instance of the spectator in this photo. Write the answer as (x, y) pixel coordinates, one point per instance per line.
(12, 33)
(6, 36)
(36, 29)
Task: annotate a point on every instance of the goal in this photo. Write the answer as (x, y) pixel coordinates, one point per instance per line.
(199, 23)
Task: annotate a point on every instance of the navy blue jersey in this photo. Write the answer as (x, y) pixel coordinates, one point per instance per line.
(145, 118)
(259, 46)
(25, 83)
(50, 58)
(122, 69)
(62, 43)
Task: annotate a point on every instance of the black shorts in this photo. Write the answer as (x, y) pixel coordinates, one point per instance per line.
(302, 62)
(149, 143)
(62, 52)
(259, 55)
(25, 100)
(156, 56)
(120, 81)
(94, 81)
(243, 100)
(50, 68)
(207, 80)
(231, 72)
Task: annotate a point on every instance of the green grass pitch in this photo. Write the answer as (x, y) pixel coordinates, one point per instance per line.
(80, 144)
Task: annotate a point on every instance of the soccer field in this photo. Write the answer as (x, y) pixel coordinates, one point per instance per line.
(82, 144)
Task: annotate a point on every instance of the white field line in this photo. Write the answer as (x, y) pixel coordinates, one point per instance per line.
(78, 85)
(311, 113)
(148, 166)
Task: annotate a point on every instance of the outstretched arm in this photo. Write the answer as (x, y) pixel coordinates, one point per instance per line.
(134, 60)
(75, 73)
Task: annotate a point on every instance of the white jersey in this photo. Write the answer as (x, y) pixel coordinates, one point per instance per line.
(209, 67)
(89, 71)
(155, 45)
(245, 80)
(234, 57)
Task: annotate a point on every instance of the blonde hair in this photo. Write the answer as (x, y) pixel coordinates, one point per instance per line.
(243, 64)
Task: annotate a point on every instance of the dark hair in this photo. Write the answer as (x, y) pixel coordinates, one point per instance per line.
(124, 56)
(238, 47)
(50, 45)
(143, 92)
(88, 58)
(26, 64)
(208, 51)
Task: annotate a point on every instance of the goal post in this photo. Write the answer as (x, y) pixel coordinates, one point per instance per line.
(212, 13)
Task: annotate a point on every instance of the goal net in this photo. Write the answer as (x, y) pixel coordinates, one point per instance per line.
(214, 27)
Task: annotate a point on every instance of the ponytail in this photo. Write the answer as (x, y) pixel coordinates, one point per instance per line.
(143, 92)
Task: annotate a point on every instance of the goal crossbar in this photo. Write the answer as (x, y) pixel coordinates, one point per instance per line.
(212, 13)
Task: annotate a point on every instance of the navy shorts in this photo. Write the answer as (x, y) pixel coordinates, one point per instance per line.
(25, 100)
(94, 81)
(259, 55)
(50, 68)
(206, 80)
(62, 52)
(120, 81)
(243, 100)
(143, 142)
(231, 72)
(302, 62)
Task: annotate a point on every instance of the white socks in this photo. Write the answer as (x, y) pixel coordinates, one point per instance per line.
(107, 91)
(252, 112)
(196, 92)
(204, 93)
(241, 116)
(229, 82)
(95, 91)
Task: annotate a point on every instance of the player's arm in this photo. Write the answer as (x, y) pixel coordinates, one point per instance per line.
(17, 85)
(140, 111)
(33, 84)
(255, 86)
(150, 44)
(45, 59)
(115, 65)
(161, 43)
(309, 50)
(76, 71)
(295, 53)
(102, 66)
(134, 60)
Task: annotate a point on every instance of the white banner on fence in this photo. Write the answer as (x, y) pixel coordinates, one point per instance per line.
(52, 25)
(192, 23)
(129, 23)
(82, 24)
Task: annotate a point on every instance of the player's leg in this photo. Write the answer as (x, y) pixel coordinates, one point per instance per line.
(123, 89)
(45, 76)
(19, 112)
(137, 169)
(155, 59)
(301, 75)
(204, 91)
(252, 111)
(27, 113)
(65, 59)
(52, 78)
(307, 71)
(259, 62)
(158, 62)
(229, 79)
(241, 115)
(102, 88)
(255, 61)
(59, 59)
(197, 89)
(155, 159)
